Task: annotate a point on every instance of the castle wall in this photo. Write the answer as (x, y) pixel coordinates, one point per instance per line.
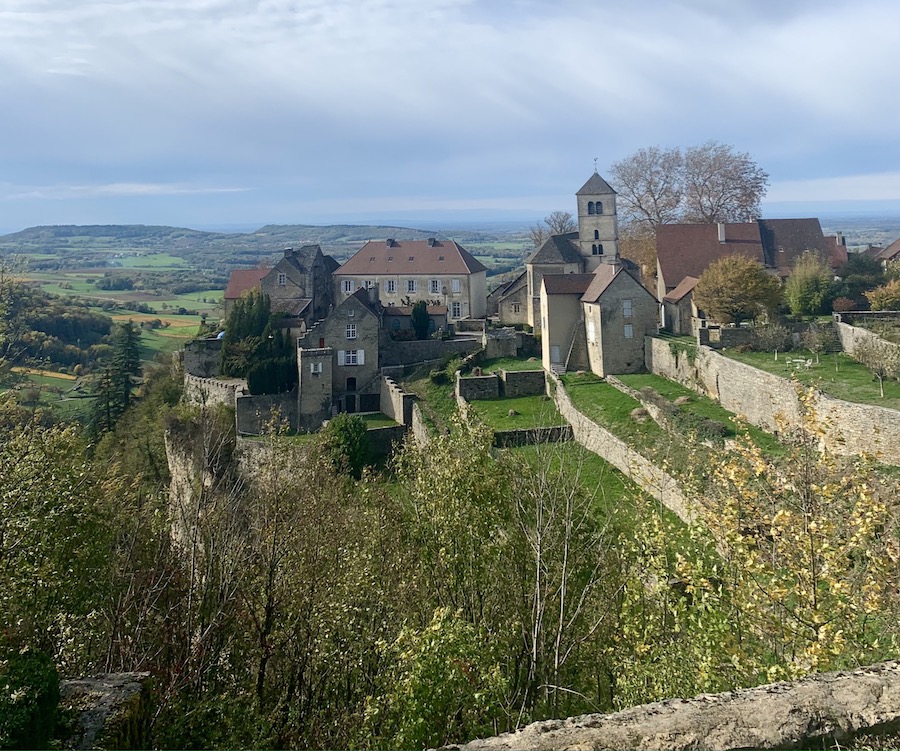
(198, 390)
(473, 388)
(202, 357)
(255, 413)
(395, 402)
(403, 353)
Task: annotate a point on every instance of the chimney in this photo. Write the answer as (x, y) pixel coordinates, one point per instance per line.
(287, 252)
(430, 242)
(721, 226)
(841, 240)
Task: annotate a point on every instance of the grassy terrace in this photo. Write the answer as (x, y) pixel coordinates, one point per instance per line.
(510, 363)
(836, 375)
(702, 407)
(530, 412)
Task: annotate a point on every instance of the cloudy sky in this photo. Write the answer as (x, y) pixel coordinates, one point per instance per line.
(210, 113)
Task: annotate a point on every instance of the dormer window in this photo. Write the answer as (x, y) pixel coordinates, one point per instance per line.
(411, 257)
(390, 258)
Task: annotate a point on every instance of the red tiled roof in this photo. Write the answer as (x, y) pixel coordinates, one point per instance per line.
(685, 286)
(567, 284)
(411, 257)
(688, 249)
(243, 280)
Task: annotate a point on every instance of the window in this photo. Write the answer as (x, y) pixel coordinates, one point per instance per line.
(370, 283)
(597, 250)
(456, 311)
(596, 234)
(516, 307)
(315, 368)
(282, 279)
(454, 285)
(590, 207)
(626, 308)
(410, 285)
(351, 331)
(395, 323)
(351, 357)
(347, 286)
(598, 209)
(434, 287)
(629, 331)
(390, 286)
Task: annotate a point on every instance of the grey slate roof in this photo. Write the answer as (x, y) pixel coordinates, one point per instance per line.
(595, 185)
(557, 249)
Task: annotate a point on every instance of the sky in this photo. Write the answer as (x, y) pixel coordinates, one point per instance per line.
(227, 113)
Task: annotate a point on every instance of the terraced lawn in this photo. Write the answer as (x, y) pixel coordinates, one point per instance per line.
(528, 412)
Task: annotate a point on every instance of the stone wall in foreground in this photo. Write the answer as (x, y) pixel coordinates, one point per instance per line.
(820, 711)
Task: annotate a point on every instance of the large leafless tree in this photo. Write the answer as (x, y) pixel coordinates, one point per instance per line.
(555, 223)
(705, 184)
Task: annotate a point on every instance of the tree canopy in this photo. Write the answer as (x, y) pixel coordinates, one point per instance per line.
(704, 184)
(735, 289)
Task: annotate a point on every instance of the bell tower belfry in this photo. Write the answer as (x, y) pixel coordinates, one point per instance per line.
(598, 228)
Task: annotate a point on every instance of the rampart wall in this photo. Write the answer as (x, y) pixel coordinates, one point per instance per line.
(523, 382)
(395, 402)
(255, 413)
(402, 353)
(199, 390)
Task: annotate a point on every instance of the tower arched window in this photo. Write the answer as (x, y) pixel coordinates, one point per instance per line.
(597, 250)
(590, 207)
(596, 234)
(598, 207)
(594, 249)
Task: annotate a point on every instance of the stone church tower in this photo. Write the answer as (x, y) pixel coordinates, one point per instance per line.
(598, 229)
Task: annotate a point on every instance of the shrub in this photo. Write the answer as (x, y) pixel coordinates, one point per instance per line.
(346, 440)
(886, 297)
(842, 304)
(29, 694)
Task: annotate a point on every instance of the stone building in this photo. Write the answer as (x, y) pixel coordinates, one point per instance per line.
(595, 243)
(441, 272)
(299, 286)
(596, 321)
(338, 363)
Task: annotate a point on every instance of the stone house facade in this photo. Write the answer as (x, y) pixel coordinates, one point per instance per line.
(441, 272)
(596, 321)
(338, 363)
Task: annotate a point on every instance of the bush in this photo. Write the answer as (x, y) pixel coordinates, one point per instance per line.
(346, 441)
(29, 694)
(842, 304)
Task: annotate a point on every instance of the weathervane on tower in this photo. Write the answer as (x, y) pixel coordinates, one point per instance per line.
(595, 163)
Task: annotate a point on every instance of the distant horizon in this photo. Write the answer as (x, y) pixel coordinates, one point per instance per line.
(496, 220)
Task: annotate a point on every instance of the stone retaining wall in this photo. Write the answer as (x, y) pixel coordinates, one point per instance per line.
(772, 402)
(523, 382)
(472, 388)
(532, 436)
(819, 711)
(403, 353)
(395, 402)
(382, 440)
(420, 430)
(851, 336)
(644, 473)
(202, 357)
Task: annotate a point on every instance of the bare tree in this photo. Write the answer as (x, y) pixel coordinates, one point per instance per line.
(705, 184)
(881, 358)
(560, 222)
(556, 223)
(721, 185)
(650, 185)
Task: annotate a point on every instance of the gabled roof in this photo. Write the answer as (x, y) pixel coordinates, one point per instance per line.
(511, 286)
(243, 280)
(684, 288)
(786, 240)
(891, 252)
(688, 249)
(291, 308)
(595, 185)
(557, 249)
(566, 284)
(411, 257)
(331, 264)
(604, 275)
(303, 257)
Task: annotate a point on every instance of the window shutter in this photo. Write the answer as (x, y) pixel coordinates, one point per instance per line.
(341, 357)
(361, 356)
